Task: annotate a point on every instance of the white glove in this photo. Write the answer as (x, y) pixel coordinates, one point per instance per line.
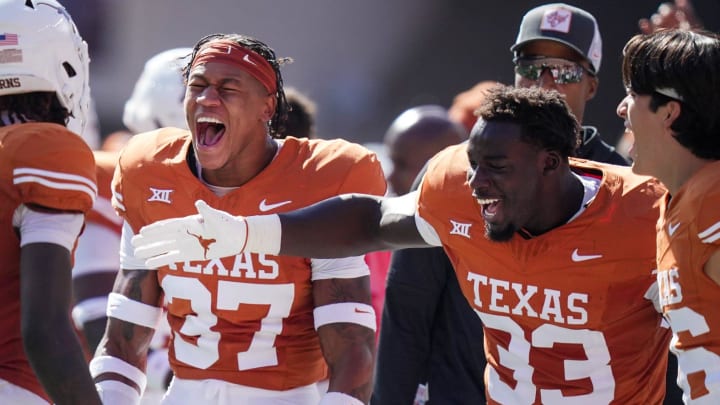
(210, 234)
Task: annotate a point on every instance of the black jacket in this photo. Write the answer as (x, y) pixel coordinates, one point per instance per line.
(429, 334)
(594, 148)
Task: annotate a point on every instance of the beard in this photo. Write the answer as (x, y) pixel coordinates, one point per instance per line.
(500, 234)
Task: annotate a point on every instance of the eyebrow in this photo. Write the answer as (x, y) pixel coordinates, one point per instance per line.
(227, 80)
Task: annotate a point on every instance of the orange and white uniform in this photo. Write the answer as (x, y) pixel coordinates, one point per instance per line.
(688, 234)
(246, 319)
(44, 165)
(565, 313)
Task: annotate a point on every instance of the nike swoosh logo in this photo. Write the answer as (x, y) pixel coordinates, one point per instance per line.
(246, 58)
(576, 257)
(264, 206)
(672, 229)
(360, 311)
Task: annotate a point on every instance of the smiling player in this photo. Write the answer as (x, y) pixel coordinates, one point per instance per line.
(248, 327)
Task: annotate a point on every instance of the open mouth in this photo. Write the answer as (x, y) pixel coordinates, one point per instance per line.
(489, 206)
(209, 131)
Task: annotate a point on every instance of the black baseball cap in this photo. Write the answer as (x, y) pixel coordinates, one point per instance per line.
(566, 24)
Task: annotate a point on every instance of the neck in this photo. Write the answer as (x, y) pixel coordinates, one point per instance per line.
(563, 200)
(241, 168)
(684, 166)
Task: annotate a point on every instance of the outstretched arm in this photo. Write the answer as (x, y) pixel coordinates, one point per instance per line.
(343, 226)
(350, 225)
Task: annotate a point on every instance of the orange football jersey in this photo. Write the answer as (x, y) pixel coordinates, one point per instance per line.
(688, 234)
(564, 312)
(246, 319)
(46, 165)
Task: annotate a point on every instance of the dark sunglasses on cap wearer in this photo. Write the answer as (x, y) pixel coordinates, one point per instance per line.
(563, 71)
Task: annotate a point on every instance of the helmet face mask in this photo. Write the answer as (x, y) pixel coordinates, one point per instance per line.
(157, 99)
(43, 51)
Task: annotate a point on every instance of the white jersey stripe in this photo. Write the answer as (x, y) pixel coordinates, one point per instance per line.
(55, 175)
(712, 229)
(56, 185)
(711, 238)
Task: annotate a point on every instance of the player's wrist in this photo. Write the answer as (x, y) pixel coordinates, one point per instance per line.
(264, 233)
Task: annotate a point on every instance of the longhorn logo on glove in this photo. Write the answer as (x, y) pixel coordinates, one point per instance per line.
(205, 243)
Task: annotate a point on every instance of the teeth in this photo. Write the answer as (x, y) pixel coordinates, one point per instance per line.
(487, 200)
(210, 120)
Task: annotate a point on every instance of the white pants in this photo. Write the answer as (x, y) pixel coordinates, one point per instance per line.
(225, 393)
(11, 394)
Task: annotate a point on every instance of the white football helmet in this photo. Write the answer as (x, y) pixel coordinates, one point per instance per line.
(41, 50)
(157, 100)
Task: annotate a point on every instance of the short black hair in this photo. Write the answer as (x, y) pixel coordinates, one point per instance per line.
(38, 106)
(543, 115)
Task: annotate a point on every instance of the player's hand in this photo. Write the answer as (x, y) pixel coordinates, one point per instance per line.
(679, 14)
(210, 234)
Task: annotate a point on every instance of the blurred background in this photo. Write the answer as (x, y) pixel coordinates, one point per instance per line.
(362, 62)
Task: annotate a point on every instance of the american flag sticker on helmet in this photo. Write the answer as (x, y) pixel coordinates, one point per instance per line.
(8, 39)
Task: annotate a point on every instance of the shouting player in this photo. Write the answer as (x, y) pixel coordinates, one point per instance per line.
(246, 328)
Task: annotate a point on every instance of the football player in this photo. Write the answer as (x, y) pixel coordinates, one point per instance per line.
(555, 254)
(672, 79)
(47, 184)
(246, 328)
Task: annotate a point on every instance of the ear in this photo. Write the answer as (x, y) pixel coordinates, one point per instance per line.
(673, 109)
(592, 89)
(268, 109)
(550, 162)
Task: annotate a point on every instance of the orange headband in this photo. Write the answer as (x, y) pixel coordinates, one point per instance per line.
(231, 53)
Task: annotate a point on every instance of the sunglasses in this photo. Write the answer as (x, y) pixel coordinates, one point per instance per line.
(563, 71)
